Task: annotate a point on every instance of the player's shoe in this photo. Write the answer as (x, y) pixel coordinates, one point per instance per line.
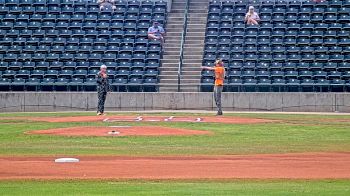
(99, 113)
(219, 113)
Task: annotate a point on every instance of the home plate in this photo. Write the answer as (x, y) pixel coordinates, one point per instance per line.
(66, 160)
(114, 132)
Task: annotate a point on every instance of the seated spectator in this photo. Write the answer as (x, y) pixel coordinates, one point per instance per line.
(252, 18)
(106, 5)
(156, 32)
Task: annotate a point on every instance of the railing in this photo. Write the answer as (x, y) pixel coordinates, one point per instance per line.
(183, 35)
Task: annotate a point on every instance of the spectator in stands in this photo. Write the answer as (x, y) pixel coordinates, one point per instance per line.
(219, 71)
(252, 18)
(102, 88)
(106, 5)
(156, 32)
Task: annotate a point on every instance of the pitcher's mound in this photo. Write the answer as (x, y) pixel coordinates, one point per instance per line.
(119, 131)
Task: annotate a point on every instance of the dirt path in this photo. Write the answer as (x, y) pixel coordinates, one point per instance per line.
(289, 166)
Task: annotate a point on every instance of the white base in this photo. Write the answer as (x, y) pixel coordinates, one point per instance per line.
(66, 160)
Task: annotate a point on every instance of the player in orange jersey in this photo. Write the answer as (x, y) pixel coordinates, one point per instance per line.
(219, 71)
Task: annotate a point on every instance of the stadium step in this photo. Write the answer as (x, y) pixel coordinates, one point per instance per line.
(172, 73)
(191, 73)
(193, 46)
(168, 69)
(190, 80)
(194, 30)
(176, 15)
(177, 10)
(168, 56)
(197, 10)
(190, 77)
(169, 52)
(196, 60)
(173, 76)
(190, 69)
(196, 26)
(195, 34)
(190, 52)
(183, 88)
(165, 60)
(194, 16)
(171, 49)
(170, 76)
(168, 81)
(170, 65)
(196, 45)
(173, 38)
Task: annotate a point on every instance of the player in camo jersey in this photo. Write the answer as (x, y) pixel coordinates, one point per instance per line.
(102, 88)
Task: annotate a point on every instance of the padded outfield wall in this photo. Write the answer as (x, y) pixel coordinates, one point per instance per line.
(84, 101)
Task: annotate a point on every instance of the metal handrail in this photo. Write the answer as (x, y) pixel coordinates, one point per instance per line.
(183, 35)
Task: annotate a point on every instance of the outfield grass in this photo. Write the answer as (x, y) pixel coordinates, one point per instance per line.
(294, 133)
(235, 187)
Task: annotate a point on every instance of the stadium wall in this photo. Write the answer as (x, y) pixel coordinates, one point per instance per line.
(65, 101)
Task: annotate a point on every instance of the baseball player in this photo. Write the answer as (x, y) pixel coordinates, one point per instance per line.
(102, 88)
(219, 71)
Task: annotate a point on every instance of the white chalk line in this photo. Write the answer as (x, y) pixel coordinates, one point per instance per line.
(140, 118)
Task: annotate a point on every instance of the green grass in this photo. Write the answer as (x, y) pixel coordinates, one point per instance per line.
(293, 133)
(235, 187)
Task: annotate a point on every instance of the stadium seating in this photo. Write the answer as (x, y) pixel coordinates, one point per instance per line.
(298, 45)
(60, 44)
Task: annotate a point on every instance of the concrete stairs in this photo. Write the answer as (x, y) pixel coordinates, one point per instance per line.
(171, 49)
(193, 46)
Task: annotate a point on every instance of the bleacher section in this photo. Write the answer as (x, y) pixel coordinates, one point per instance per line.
(60, 44)
(298, 45)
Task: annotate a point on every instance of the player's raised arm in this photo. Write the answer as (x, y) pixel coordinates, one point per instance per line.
(208, 68)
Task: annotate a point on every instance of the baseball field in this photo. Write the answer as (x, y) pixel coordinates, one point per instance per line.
(174, 154)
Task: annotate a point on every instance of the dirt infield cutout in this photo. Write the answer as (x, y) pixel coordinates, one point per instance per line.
(120, 131)
(273, 166)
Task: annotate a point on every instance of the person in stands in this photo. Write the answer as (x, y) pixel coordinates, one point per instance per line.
(156, 32)
(252, 18)
(106, 5)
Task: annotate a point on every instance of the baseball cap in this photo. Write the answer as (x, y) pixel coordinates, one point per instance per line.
(103, 67)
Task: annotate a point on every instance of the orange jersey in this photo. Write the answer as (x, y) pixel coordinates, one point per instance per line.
(219, 76)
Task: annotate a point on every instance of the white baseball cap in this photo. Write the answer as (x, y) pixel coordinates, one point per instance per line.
(103, 67)
(251, 7)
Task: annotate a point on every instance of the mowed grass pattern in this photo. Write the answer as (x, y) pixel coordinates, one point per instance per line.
(202, 188)
(292, 133)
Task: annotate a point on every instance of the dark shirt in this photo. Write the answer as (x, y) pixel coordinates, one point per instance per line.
(102, 83)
